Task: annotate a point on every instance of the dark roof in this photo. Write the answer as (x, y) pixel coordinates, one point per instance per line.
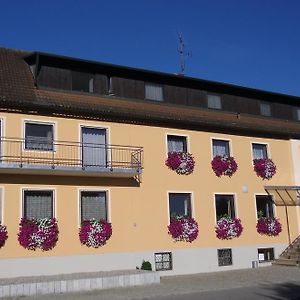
(173, 79)
(17, 91)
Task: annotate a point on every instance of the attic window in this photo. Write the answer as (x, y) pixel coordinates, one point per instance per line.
(265, 109)
(153, 91)
(82, 82)
(214, 101)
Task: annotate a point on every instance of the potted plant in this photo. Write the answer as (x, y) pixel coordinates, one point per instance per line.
(94, 233)
(183, 228)
(38, 233)
(264, 168)
(3, 235)
(182, 163)
(228, 228)
(268, 225)
(224, 165)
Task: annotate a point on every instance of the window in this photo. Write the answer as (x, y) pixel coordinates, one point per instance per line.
(220, 147)
(297, 114)
(224, 257)
(179, 205)
(153, 91)
(38, 136)
(259, 151)
(163, 261)
(264, 206)
(38, 204)
(224, 206)
(265, 254)
(214, 102)
(265, 109)
(82, 82)
(177, 143)
(93, 205)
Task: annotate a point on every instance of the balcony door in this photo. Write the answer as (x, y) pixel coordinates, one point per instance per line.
(94, 149)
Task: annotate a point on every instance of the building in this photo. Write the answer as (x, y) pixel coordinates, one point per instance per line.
(83, 140)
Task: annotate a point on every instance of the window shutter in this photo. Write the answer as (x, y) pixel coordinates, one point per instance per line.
(153, 92)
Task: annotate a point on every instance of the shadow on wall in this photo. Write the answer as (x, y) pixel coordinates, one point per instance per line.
(68, 180)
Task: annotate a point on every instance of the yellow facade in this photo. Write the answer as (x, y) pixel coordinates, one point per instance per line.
(139, 212)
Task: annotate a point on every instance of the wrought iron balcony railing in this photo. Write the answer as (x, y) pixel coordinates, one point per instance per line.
(57, 155)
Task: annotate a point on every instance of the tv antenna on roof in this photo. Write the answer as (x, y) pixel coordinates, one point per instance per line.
(182, 53)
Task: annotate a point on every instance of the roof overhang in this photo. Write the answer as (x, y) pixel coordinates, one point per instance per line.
(284, 195)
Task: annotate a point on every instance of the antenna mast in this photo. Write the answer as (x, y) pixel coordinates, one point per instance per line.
(182, 53)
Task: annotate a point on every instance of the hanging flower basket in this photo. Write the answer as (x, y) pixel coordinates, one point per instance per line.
(264, 168)
(228, 228)
(224, 165)
(181, 162)
(38, 233)
(183, 229)
(268, 226)
(95, 233)
(3, 235)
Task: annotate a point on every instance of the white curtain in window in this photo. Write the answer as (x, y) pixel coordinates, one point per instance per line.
(259, 151)
(220, 147)
(38, 204)
(94, 147)
(93, 205)
(153, 92)
(39, 136)
(176, 145)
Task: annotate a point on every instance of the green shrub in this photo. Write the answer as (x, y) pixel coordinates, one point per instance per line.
(146, 265)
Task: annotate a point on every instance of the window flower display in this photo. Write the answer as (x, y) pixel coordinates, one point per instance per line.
(224, 165)
(38, 233)
(181, 162)
(268, 226)
(264, 168)
(183, 228)
(3, 235)
(95, 233)
(228, 228)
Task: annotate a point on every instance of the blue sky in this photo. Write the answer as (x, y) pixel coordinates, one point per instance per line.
(250, 43)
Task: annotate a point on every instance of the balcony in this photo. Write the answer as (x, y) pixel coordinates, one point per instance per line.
(39, 156)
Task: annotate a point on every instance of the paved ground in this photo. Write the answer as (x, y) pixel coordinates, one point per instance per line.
(278, 280)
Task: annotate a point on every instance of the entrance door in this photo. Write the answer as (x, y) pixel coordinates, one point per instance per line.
(93, 147)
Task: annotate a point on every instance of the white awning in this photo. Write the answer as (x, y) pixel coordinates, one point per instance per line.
(284, 195)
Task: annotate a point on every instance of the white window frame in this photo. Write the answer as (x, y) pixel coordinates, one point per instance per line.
(94, 189)
(234, 203)
(42, 189)
(260, 143)
(221, 139)
(38, 122)
(273, 205)
(193, 215)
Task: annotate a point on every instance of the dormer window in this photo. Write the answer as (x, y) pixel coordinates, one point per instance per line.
(82, 82)
(214, 101)
(265, 109)
(153, 91)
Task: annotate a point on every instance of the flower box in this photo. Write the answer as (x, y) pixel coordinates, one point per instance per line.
(264, 168)
(38, 233)
(268, 226)
(224, 165)
(228, 228)
(3, 235)
(183, 229)
(94, 233)
(181, 162)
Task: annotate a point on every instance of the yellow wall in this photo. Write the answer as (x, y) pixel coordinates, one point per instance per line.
(139, 214)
